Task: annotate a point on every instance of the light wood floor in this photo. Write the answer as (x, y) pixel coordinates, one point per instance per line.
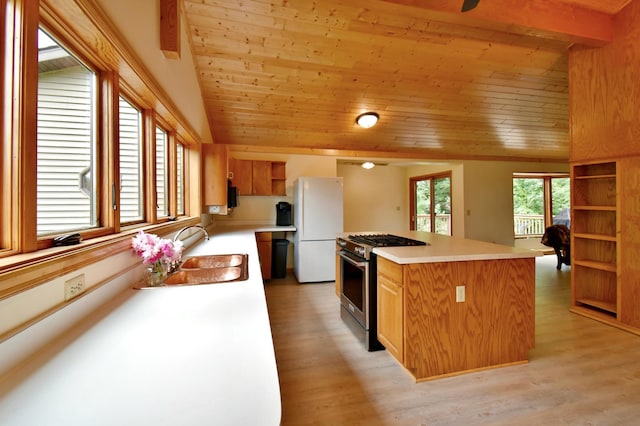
(581, 372)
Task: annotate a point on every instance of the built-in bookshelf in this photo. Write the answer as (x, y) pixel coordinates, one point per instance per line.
(594, 233)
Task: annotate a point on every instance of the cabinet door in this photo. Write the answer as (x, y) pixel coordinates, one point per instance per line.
(214, 179)
(241, 172)
(391, 308)
(390, 318)
(264, 240)
(261, 180)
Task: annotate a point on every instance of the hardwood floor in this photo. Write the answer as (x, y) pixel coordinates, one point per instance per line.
(581, 372)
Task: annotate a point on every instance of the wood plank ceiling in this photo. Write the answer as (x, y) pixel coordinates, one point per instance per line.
(491, 83)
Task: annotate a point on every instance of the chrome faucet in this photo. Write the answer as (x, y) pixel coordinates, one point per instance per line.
(176, 265)
(200, 227)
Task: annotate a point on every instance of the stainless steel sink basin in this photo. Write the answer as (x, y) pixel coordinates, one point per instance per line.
(207, 276)
(215, 261)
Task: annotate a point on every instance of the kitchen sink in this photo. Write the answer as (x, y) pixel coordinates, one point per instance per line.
(207, 276)
(209, 269)
(215, 261)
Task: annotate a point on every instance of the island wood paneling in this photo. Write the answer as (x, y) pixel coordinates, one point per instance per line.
(493, 326)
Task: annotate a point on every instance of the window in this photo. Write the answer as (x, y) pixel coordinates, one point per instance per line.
(131, 184)
(162, 174)
(431, 203)
(539, 201)
(66, 147)
(60, 149)
(180, 177)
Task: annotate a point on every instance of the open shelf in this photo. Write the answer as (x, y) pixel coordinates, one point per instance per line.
(596, 208)
(596, 177)
(599, 304)
(601, 266)
(599, 237)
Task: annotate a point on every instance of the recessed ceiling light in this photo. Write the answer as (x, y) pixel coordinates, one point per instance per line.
(367, 119)
(368, 165)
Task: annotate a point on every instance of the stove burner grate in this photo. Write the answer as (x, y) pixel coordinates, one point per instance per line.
(384, 240)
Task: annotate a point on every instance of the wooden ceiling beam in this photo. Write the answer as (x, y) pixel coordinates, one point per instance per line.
(552, 19)
(170, 29)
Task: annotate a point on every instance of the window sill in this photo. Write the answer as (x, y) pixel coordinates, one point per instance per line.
(22, 272)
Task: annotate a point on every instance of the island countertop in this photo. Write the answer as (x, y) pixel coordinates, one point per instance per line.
(193, 355)
(445, 248)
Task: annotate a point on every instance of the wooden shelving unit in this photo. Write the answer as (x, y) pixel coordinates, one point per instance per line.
(594, 241)
(278, 178)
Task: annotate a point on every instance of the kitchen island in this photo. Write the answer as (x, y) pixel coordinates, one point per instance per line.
(189, 355)
(455, 305)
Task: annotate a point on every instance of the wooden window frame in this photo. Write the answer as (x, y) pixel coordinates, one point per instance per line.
(25, 260)
(412, 198)
(546, 194)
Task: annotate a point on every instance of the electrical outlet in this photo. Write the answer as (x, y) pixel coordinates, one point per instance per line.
(459, 293)
(73, 287)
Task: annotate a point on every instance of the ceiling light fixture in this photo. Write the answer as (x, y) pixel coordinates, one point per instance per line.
(367, 119)
(368, 165)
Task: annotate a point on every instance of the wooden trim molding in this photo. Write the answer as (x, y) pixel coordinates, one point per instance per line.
(21, 121)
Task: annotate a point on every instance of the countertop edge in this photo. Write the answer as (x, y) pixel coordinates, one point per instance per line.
(93, 354)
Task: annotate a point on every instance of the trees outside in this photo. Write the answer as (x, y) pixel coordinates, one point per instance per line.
(433, 204)
(531, 214)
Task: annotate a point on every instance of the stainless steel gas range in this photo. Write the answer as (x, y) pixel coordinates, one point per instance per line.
(358, 278)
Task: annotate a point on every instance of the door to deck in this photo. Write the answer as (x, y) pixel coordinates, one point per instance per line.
(430, 203)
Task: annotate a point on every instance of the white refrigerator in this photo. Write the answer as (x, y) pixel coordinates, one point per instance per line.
(317, 215)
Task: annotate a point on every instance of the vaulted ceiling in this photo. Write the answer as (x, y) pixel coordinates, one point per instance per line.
(490, 83)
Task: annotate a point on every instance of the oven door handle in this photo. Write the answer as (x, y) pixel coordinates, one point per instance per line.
(355, 263)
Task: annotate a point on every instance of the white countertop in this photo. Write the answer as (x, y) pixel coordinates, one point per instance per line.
(444, 248)
(192, 355)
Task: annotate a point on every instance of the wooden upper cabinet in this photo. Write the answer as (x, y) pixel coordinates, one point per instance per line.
(214, 175)
(258, 177)
(261, 183)
(241, 175)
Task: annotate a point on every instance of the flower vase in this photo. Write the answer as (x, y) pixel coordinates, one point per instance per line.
(155, 274)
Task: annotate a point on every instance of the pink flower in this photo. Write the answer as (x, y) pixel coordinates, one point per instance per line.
(153, 249)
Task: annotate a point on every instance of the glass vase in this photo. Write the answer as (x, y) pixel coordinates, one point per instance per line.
(155, 274)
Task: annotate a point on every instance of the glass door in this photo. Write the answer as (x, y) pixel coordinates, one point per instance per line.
(431, 203)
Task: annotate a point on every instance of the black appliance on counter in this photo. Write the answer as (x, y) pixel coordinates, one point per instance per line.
(283, 214)
(359, 282)
(232, 195)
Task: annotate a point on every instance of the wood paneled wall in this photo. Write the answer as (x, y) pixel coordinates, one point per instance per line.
(603, 86)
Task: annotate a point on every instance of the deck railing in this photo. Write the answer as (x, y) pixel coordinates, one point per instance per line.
(523, 224)
(443, 223)
(528, 224)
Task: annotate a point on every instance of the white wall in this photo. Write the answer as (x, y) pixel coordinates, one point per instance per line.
(488, 197)
(375, 199)
(140, 26)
